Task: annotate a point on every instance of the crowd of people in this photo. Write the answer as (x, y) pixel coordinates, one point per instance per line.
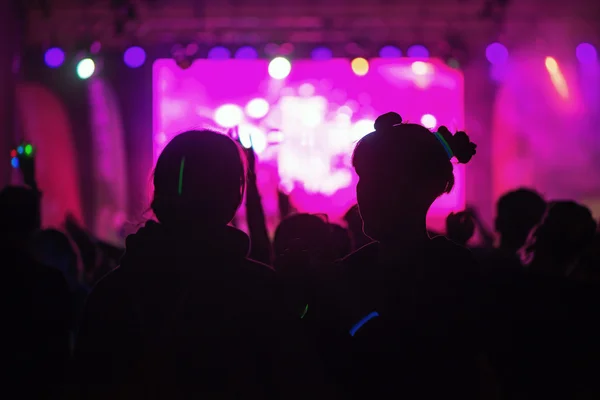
(377, 309)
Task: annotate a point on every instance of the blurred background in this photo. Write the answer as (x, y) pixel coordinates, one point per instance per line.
(101, 86)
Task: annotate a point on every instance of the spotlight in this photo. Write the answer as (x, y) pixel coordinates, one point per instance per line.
(496, 53)
(321, 54)
(420, 68)
(428, 121)
(228, 115)
(246, 53)
(54, 57)
(279, 68)
(417, 51)
(219, 53)
(85, 68)
(360, 66)
(586, 53)
(390, 52)
(134, 57)
(257, 108)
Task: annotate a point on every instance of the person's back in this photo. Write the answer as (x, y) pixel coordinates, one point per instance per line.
(399, 317)
(186, 314)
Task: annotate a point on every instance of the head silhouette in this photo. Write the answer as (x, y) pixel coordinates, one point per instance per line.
(402, 169)
(199, 181)
(307, 231)
(563, 236)
(517, 213)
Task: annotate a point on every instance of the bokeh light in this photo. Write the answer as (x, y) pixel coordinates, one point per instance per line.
(257, 108)
(28, 149)
(551, 65)
(417, 51)
(420, 68)
(246, 53)
(54, 57)
(428, 121)
(360, 66)
(14, 162)
(279, 68)
(219, 53)
(85, 68)
(390, 52)
(586, 53)
(321, 54)
(228, 115)
(252, 137)
(20, 149)
(361, 129)
(134, 57)
(496, 53)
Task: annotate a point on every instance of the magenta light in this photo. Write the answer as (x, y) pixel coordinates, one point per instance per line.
(586, 53)
(305, 127)
(496, 53)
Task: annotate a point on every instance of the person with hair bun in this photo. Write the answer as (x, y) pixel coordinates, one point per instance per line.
(399, 317)
(187, 314)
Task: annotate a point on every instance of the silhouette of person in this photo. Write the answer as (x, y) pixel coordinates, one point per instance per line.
(342, 244)
(36, 312)
(557, 244)
(354, 221)
(517, 213)
(460, 227)
(399, 317)
(187, 314)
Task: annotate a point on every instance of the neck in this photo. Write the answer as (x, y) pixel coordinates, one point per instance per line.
(407, 234)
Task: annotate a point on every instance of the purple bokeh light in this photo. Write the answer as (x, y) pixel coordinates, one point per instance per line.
(54, 57)
(219, 53)
(246, 53)
(390, 52)
(134, 57)
(496, 53)
(417, 51)
(321, 54)
(318, 113)
(586, 53)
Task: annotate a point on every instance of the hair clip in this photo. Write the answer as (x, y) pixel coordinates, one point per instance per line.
(444, 144)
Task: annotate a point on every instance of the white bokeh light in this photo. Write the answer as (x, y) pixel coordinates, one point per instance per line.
(279, 68)
(306, 90)
(428, 121)
(252, 137)
(228, 115)
(86, 68)
(257, 108)
(361, 128)
(420, 68)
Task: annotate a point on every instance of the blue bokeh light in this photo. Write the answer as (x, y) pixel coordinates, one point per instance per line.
(134, 57)
(54, 57)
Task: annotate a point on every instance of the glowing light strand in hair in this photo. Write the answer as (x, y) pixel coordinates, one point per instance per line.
(445, 144)
(181, 166)
(304, 312)
(363, 321)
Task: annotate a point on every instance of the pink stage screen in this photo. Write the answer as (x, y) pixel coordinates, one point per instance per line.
(304, 127)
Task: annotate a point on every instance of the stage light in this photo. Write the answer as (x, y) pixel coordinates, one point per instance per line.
(134, 57)
(28, 149)
(85, 68)
(586, 53)
(14, 162)
(321, 54)
(417, 51)
(390, 52)
(428, 121)
(496, 53)
(257, 108)
(361, 129)
(54, 57)
(219, 53)
(360, 66)
(420, 68)
(279, 68)
(246, 53)
(228, 115)
(453, 63)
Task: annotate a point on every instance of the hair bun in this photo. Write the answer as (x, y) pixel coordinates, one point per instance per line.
(387, 120)
(460, 144)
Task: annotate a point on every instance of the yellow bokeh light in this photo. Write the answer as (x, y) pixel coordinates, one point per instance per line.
(360, 66)
(551, 65)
